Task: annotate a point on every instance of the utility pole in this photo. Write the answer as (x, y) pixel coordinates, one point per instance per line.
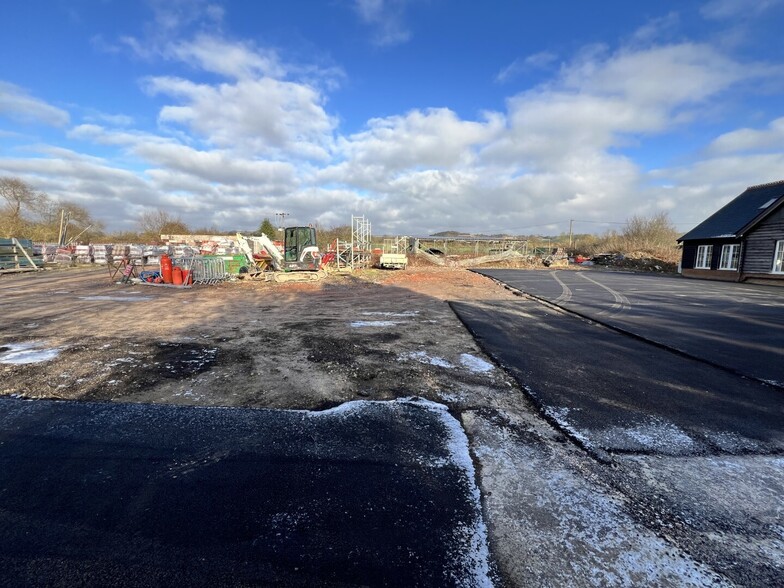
(282, 216)
(571, 220)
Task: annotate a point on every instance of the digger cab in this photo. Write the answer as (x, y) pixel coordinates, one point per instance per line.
(300, 251)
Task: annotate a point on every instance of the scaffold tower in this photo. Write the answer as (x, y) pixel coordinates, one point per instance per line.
(360, 242)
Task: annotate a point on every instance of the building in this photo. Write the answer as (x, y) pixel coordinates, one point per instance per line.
(744, 240)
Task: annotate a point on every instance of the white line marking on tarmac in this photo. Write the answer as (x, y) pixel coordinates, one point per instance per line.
(566, 293)
(621, 302)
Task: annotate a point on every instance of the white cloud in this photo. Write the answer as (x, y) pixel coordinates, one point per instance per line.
(420, 139)
(218, 167)
(541, 60)
(727, 9)
(231, 59)
(386, 18)
(656, 28)
(751, 139)
(263, 140)
(601, 100)
(700, 189)
(171, 18)
(19, 105)
(264, 116)
(665, 76)
(210, 166)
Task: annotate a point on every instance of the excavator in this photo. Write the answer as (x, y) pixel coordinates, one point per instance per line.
(300, 260)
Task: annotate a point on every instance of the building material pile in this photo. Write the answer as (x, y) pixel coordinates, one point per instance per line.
(18, 255)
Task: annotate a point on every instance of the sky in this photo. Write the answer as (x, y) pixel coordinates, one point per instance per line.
(420, 115)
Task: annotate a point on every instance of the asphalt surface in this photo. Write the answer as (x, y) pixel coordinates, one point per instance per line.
(684, 450)
(737, 326)
(369, 493)
(614, 393)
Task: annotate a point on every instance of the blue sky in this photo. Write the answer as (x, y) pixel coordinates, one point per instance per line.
(422, 115)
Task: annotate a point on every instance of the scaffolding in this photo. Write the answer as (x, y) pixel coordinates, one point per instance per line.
(342, 251)
(360, 242)
(396, 245)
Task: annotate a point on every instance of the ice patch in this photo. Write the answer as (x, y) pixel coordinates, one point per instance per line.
(659, 435)
(733, 443)
(24, 353)
(423, 357)
(360, 324)
(475, 364)
(559, 415)
(118, 298)
(397, 314)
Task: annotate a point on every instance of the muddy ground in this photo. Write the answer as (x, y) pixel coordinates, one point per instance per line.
(373, 334)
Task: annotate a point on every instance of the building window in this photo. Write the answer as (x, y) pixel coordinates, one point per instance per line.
(730, 256)
(703, 260)
(778, 258)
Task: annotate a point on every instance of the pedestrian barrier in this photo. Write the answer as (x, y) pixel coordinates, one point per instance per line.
(204, 270)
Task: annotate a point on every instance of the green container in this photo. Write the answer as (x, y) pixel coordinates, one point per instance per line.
(233, 263)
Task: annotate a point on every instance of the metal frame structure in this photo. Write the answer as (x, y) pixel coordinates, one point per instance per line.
(360, 242)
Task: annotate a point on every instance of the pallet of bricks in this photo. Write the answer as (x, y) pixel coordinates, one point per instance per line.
(17, 255)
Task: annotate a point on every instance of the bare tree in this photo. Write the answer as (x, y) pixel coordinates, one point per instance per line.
(650, 232)
(19, 201)
(19, 197)
(153, 224)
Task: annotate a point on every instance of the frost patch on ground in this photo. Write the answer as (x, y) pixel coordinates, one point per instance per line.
(555, 528)
(559, 414)
(475, 364)
(24, 353)
(423, 357)
(732, 442)
(396, 314)
(655, 435)
(125, 298)
(473, 538)
(360, 324)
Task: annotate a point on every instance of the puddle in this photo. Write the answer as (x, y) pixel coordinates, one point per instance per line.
(24, 353)
(124, 298)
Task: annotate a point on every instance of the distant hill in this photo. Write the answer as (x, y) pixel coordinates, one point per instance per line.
(450, 234)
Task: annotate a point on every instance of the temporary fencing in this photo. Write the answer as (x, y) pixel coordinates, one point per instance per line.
(205, 270)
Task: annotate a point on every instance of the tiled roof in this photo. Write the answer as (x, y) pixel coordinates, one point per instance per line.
(740, 214)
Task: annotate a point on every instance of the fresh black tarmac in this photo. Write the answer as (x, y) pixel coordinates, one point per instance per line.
(615, 393)
(737, 326)
(369, 493)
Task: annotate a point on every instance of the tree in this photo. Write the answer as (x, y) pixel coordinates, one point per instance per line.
(648, 233)
(20, 197)
(19, 203)
(266, 227)
(152, 224)
(78, 222)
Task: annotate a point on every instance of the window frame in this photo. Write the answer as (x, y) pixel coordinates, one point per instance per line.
(778, 256)
(705, 258)
(730, 253)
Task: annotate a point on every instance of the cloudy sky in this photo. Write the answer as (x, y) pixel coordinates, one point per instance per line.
(422, 115)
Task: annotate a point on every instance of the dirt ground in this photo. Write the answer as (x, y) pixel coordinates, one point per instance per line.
(373, 334)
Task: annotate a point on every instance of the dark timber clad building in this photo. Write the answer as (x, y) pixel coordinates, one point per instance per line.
(743, 240)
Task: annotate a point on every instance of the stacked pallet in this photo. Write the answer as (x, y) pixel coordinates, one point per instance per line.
(101, 253)
(17, 254)
(84, 253)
